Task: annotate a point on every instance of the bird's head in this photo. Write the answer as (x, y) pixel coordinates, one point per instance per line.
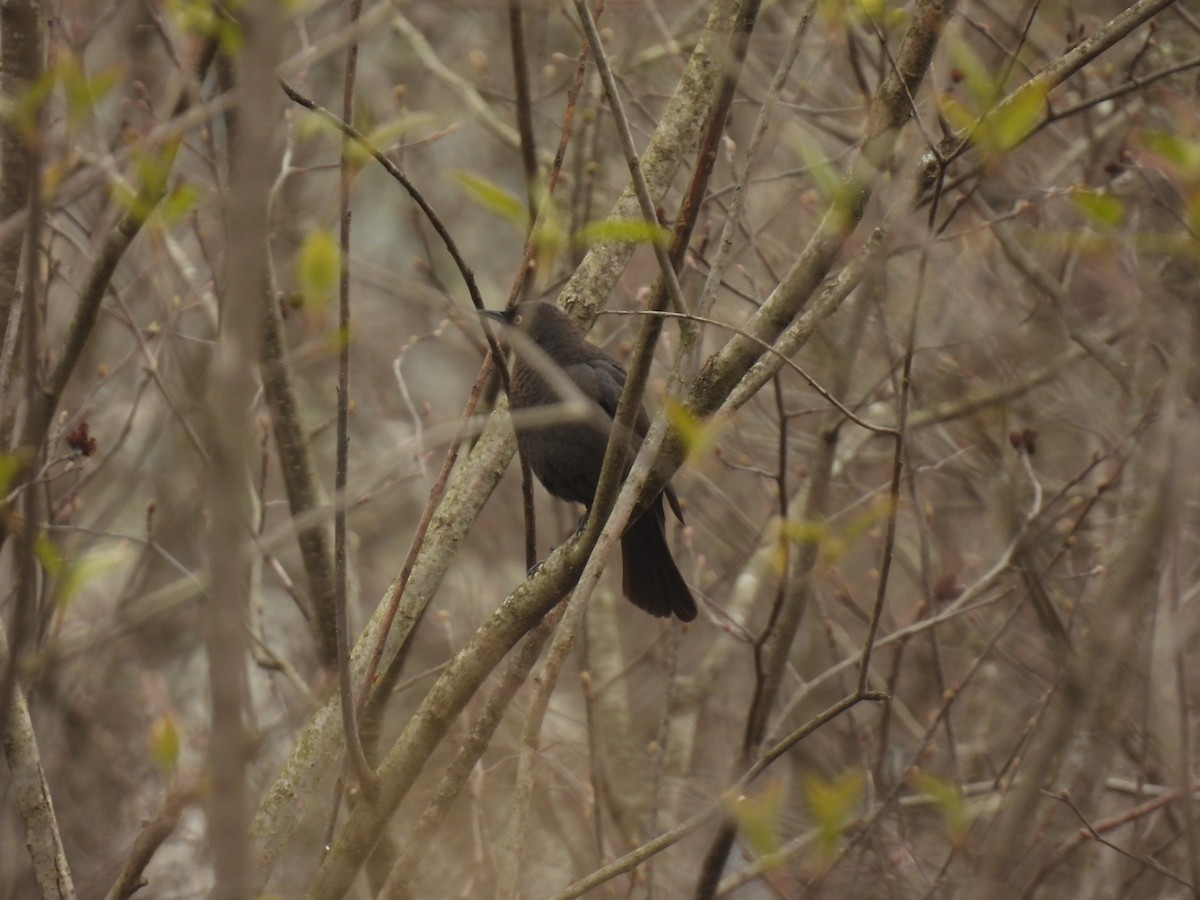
(542, 322)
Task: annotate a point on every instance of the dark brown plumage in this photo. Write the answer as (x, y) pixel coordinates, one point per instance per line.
(567, 456)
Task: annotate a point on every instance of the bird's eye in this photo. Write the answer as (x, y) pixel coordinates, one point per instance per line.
(517, 319)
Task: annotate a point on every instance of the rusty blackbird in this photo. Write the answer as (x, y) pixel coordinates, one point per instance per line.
(567, 456)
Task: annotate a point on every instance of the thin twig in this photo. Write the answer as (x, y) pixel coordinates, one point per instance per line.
(358, 759)
(720, 263)
(149, 194)
(666, 268)
(783, 359)
(520, 62)
(889, 541)
(397, 173)
(149, 839)
(1150, 863)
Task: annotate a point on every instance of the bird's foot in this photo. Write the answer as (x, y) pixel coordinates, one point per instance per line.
(537, 565)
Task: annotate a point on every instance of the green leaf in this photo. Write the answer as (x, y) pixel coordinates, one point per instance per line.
(337, 339)
(832, 805)
(388, 133)
(824, 175)
(630, 231)
(833, 544)
(57, 169)
(379, 137)
(1181, 153)
(178, 202)
(311, 127)
(982, 87)
(494, 198)
(22, 111)
(10, 464)
(165, 744)
(995, 127)
(879, 510)
(47, 554)
(1015, 120)
(201, 17)
(1103, 209)
(841, 14)
(954, 112)
(549, 240)
(949, 802)
(152, 170)
(127, 198)
(830, 545)
(318, 268)
(805, 532)
(872, 9)
(758, 818)
(696, 435)
(79, 571)
(81, 92)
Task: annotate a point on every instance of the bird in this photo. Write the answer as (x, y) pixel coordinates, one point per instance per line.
(567, 456)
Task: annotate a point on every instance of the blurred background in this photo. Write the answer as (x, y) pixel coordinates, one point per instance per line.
(1040, 609)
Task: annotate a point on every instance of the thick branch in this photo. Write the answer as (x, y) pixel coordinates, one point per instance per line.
(32, 794)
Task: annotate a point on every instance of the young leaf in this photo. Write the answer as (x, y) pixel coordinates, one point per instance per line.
(388, 133)
(165, 744)
(78, 572)
(974, 74)
(632, 231)
(820, 170)
(201, 17)
(805, 532)
(949, 801)
(21, 111)
(10, 464)
(318, 267)
(832, 805)
(47, 554)
(178, 202)
(1105, 210)
(493, 197)
(1181, 153)
(873, 9)
(758, 818)
(697, 436)
(1013, 122)
(954, 112)
(81, 92)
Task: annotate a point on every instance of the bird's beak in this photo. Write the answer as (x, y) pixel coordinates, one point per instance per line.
(496, 315)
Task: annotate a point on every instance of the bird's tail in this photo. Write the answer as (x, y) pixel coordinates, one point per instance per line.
(650, 578)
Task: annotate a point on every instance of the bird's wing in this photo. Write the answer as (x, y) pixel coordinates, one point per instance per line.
(601, 379)
(604, 379)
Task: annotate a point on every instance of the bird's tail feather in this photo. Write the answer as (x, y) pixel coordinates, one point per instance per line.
(650, 579)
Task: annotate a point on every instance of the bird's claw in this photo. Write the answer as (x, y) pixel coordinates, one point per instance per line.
(537, 565)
